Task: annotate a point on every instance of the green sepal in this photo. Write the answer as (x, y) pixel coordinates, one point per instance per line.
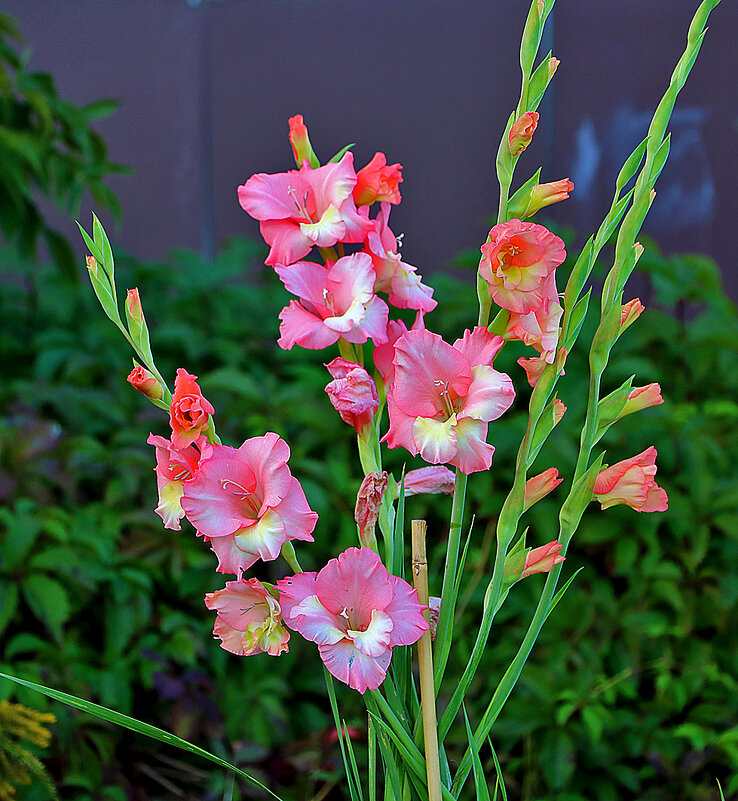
(631, 165)
(518, 203)
(659, 160)
(104, 291)
(499, 324)
(581, 495)
(544, 427)
(610, 408)
(341, 153)
(539, 81)
(574, 321)
(103, 243)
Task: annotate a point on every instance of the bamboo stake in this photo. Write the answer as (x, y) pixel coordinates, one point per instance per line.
(425, 661)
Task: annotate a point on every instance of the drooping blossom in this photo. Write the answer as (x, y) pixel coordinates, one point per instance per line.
(632, 482)
(518, 261)
(433, 480)
(336, 301)
(247, 504)
(248, 619)
(522, 132)
(542, 195)
(641, 398)
(539, 486)
(189, 411)
(368, 502)
(398, 279)
(630, 312)
(443, 397)
(174, 466)
(543, 559)
(378, 181)
(300, 209)
(356, 612)
(145, 382)
(300, 141)
(535, 365)
(539, 327)
(353, 394)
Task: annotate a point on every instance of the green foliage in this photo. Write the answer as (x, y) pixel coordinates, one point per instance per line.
(46, 146)
(631, 691)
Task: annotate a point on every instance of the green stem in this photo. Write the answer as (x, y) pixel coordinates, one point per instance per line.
(444, 632)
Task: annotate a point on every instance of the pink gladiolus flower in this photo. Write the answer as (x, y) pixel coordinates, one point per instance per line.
(368, 501)
(378, 181)
(145, 382)
(353, 394)
(535, 366)
(542, 195)
(443, 397)
(189, 412)
(435, 480)
(542, 560)
(336, 301)
(356, 612)
(642, 398)
(539, 486)
(630, 312)
(246, 503)
(384, 354)
(398, 279)
(174, 467)
(522, 132)
(632, 482)
(539, 327)
(517, 260)
(297, 210)
(248, 620)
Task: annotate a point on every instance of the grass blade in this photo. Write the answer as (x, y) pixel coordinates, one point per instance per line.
(500, 777)
(480, 783)
(337, 721)
(136, 725)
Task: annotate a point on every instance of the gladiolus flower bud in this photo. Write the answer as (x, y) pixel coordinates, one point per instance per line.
(543, 559)
(542, 195)
(146, 383)
(642, 398)
(378, 181)
(553, 65)
(559, 411)
(630, 312)
(522, 132)
(353, 394)
(541, 485)
(133, 306)
(300, 142)
(189, 412)
(434, 480)
(368, 502)
(632, 482)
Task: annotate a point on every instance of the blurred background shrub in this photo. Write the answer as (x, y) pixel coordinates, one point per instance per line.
(631, 691)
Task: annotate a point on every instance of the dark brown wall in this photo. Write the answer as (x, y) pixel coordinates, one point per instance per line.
(207, 90)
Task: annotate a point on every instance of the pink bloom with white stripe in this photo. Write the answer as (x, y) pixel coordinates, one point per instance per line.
(444, 396)
(336, 301)
(356, 612)
(300, 209)
(246, 503)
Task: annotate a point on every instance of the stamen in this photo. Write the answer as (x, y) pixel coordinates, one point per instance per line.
(301, 207)
(329, 302)
(445, 396)
(241, 493)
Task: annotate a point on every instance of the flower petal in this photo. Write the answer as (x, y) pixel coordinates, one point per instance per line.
(361, 672)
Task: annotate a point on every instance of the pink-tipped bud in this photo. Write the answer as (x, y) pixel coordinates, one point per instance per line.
(145, 383)
(92, 265)
(522, 132)
(434, 480)
(553, 65)
(133, 306)
(642, 398)
(353, 394)
(542, 560)
(368, 501)
(630, 312)
(559, 411)
(300, 141)
(545, 194)
(378, 181)
(535, 366)
(541, 485)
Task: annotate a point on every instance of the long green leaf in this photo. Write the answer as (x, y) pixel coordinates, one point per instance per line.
(500, 777)
(339, 730)
(136, 725)
(480, 783)
(352, 761)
